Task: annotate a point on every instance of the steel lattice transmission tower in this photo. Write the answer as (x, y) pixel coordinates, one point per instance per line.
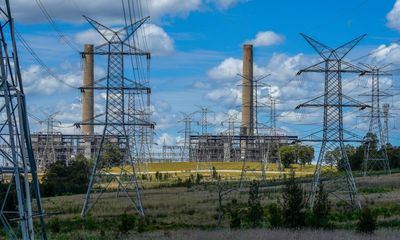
(375, 154)
(16, 154)
(116, 119)
(272, 154)
(385, 110)
(49, 152)
(333, 101)
(188, 121)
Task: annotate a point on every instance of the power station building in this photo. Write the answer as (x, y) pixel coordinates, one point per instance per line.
(247, 145)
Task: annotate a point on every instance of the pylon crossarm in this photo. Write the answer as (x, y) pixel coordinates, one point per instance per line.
(131, 29)
(317, 101)
(351, 102)
(135, 51)
(318, 67)
(347, 67)
(323, 50)
(104, 31)
(344, 49)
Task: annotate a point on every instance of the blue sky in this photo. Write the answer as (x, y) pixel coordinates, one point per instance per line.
(196, 47)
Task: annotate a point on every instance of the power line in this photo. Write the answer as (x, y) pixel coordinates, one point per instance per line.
(54, 26)
(40, 61)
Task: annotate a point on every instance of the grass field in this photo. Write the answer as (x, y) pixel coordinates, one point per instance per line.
(177, 212)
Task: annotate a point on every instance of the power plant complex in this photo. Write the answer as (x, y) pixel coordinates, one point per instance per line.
(233, 144)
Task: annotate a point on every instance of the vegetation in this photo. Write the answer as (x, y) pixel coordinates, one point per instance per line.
(255, 212)
(60, 179)
(296, 154)
(293, 204)
(321, 210)
(367, 222)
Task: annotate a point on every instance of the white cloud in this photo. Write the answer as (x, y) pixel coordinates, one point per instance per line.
(283, 67)
(157, 40)
(265, 39)
(227, 96)
(225, 4)
(166, 139)
(229, 68)
(173, 8)
(393, 17)
(37, 81)
(108, 12)
(385, 54)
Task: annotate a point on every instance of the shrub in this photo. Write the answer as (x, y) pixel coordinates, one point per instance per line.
(366, 221)
(255, 214)
(321, 209)
(274, 215)
(293, 205)
(233, 210)
(127, 223)
(61, 179)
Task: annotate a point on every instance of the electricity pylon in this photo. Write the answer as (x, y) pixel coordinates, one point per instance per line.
(118, 169)
(375, 154)
(385, 110)
(341, 183)
(185, 152)
(16, 151)
(204, 150)
(49, 152)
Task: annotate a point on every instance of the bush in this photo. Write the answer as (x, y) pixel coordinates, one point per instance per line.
(127, 223)
(233, 210)
(275, 216)
(255, 214)
(293, 205)
(366, 221)
(61, 179)
(321, 209)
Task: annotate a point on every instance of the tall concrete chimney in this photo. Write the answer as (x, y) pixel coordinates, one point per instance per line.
(87, 94)
(247, 91)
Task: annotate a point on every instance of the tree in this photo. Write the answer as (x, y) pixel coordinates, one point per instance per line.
(233, 210)
(321, 210)
(275, 215)
(305, 154)
(112, 155)
(223, 189)
(214, 173)
(255, 214)
(61, 179)
(293, 205)
(366, 221)
(288, 155)
(299, 154)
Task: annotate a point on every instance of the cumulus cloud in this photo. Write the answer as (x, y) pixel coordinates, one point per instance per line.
(228, 96)
(224, 4)
(229, 68)
(386, 54)
(265, 39)
(157, 40)
(71, 11)
(393, 17)
(37, 81)
(165, 139)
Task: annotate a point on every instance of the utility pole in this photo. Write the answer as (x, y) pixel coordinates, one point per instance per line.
(333, 101)
(375, 153)
(16, 147)
(115, 122)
